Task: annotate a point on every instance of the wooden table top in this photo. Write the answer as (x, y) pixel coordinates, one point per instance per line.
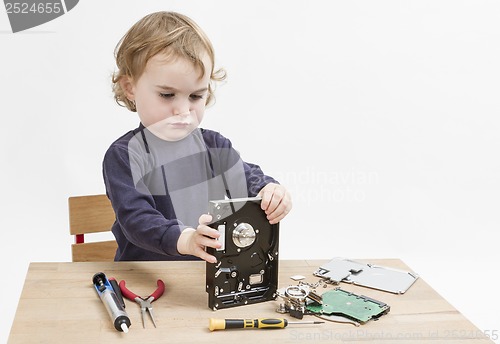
(59, 304)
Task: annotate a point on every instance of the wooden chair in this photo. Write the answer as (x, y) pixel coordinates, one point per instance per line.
(91, 214)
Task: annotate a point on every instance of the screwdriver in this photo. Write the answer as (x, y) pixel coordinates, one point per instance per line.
(264, 323)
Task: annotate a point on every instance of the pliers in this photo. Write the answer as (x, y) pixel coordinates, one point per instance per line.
(144, 302)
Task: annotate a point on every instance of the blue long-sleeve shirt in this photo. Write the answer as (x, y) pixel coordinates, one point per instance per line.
(158, 188)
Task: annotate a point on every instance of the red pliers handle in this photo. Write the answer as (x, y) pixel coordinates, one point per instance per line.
(154, 296)
(145, 303)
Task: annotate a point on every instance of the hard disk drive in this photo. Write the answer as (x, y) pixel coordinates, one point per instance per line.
(246, 271)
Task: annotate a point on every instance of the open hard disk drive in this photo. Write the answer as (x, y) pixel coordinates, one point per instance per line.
(246, 271)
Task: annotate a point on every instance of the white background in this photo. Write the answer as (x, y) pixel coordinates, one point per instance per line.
(381, 117)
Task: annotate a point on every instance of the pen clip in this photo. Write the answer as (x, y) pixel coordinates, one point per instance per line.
(116, 288)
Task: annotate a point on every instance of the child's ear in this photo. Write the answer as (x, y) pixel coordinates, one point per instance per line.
(127, 86)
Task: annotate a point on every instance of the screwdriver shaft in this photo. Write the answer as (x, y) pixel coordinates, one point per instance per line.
(305, 322)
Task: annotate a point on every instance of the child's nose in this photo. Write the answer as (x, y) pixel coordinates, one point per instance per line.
(181, 108)
(184, 113)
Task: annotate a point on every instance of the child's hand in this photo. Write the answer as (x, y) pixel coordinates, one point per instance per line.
(194, 242)
(276, 202)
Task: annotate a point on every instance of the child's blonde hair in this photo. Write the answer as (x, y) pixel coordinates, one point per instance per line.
(169, 33)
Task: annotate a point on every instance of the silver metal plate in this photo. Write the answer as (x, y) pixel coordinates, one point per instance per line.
(367, 275)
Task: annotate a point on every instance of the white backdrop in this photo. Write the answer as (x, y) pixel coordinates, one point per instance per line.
(381, 117)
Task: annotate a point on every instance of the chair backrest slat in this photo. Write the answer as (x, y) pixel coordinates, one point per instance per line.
(91, 214)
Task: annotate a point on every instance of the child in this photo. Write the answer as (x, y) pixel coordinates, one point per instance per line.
(160, 176)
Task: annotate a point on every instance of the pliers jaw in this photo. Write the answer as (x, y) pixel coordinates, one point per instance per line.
(146, 307)
(144, 303)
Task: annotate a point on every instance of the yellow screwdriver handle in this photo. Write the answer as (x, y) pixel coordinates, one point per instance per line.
(272, 323)
(264, 323)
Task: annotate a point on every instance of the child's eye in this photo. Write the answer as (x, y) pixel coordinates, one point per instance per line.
(166, 95)
(196, 97)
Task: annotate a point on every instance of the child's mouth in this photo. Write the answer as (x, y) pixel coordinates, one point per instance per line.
(180, 124)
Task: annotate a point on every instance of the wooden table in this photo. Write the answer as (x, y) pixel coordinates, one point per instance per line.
(59, 304)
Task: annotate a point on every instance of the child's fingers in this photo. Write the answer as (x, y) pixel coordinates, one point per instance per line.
(205, 219)
(281, 210)
(276, 200)
(206, 257)
(206, 231)
(270, 195)
(278, 214)
(205, 237)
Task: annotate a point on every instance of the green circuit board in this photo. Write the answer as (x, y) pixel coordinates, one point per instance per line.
(356, 307)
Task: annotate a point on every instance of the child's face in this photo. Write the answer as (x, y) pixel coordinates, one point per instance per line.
(170, 96)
